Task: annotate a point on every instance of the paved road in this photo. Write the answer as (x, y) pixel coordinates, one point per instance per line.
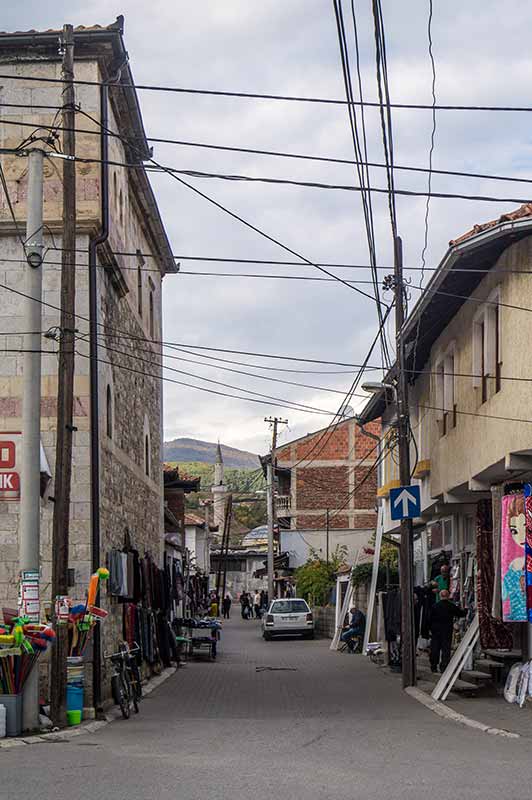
(320, 725)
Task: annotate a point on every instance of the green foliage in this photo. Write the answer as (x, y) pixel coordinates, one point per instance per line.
(250, 514)
(388, 573)
(316, 577)
(237, 480)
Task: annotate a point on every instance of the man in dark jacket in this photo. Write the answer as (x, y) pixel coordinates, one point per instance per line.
(442, 618)
(357, 624)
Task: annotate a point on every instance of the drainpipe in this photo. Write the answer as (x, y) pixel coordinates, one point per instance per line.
(95, 241)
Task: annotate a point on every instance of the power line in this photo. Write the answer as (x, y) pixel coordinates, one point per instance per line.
(224, 260)
(281, 154)
(432, 141)
(259, 96)
(298, 406)
(192, 173)
(243, 221)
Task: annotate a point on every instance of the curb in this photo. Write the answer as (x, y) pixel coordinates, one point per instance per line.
(91, 726)
(448, 713)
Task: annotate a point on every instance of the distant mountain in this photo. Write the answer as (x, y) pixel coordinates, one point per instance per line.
(205, 452)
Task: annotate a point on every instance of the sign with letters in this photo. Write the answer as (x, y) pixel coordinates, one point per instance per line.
(9, 468)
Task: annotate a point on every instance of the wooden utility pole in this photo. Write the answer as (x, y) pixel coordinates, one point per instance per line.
(406, 554)
(65, 389)
(270, 488)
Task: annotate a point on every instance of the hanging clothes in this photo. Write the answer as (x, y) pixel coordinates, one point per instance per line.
(513, 558)
(528, 549)
(493, 632)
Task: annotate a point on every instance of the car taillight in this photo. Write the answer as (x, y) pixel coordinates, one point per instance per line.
(309, 616)
(269, 618)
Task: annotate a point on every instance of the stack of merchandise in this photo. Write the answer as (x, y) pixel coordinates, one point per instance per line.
(21, 644)
(81, 619)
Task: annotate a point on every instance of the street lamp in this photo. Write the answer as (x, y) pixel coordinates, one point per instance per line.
(374, 387)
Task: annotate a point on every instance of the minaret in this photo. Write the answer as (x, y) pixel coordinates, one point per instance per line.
(219, 490)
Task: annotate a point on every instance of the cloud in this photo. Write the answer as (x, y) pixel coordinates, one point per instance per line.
(278, 47)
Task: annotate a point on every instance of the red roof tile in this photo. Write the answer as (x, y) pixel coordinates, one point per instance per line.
(523, 211)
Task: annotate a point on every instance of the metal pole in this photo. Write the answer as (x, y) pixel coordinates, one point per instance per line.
(403, 433)
(327, 535)
(270, 529)
(30, 499)
(270, 472)
(65, 389)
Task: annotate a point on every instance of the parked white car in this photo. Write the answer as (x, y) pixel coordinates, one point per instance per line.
(288, 617)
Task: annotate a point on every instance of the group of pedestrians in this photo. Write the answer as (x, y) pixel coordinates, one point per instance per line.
(253, 604)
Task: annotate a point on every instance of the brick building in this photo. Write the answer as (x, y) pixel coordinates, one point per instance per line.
(122, 255)
(325, 480)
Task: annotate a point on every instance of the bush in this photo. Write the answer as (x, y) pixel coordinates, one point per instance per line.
(316, 577)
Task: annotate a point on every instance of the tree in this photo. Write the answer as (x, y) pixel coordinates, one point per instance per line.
(316, 577)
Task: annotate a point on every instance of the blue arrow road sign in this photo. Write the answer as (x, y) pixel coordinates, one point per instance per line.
(405, 502)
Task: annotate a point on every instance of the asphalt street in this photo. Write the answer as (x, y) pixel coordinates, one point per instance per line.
(274, 719)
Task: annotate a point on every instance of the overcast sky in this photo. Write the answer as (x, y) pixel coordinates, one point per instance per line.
(482, 56)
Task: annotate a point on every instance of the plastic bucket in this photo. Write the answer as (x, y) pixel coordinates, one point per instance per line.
(13, 706)
(74, 698)
(74, 717)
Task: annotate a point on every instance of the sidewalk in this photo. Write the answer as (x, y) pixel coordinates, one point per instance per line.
(484, 706)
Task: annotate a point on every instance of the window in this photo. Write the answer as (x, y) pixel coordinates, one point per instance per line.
(469, 532)
(289, 607)
(121, 207)
(140, 264)
(487, 351)
(147, 455)
(152, 324)
(109, 413)
(444, 401)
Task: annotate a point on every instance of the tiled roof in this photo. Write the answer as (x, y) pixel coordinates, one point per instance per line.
(118, 25)
(523, 211)
(193, 519)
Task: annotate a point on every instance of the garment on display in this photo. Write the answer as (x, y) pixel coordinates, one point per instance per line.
(513, 535)
(493, 632)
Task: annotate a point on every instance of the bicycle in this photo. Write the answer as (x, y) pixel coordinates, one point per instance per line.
(126, 685)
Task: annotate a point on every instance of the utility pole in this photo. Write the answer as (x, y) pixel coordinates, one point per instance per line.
(406, 557)
(30, 498)
(327, 534)
(65, 387)
(271, 480)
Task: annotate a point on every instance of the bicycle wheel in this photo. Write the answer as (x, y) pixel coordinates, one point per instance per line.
(121, 694)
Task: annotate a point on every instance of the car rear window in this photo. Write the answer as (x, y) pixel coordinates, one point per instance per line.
(289, 607)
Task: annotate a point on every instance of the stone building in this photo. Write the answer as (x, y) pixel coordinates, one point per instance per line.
(123, 255)
(326, 488)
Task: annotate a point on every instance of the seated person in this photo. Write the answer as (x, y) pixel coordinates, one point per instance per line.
(357, 624)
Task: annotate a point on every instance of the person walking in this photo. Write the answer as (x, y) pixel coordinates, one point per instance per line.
(442, 618)
(244, 605)
(257, 605)
(226, 606)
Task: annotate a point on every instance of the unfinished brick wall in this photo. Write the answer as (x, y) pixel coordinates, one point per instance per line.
(322, 487)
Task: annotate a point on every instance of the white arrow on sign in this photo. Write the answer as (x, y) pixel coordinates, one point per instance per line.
(405, 498)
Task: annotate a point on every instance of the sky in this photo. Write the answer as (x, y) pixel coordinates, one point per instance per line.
(276, 47)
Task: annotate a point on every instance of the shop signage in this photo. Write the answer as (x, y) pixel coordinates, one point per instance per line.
(9, 475)
(405, 502)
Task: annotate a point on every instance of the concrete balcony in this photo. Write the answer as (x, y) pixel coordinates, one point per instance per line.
(283, 504)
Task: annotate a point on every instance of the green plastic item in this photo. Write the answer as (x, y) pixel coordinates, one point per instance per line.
(73, 717)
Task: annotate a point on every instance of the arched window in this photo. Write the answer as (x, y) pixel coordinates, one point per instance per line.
(121, 207)
(147, 454)
(109, 412)
(152, 322)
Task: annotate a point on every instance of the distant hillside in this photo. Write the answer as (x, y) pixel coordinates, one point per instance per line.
(236, 480)
(187, 450)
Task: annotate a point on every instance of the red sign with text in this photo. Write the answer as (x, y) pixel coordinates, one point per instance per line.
(9, 475)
